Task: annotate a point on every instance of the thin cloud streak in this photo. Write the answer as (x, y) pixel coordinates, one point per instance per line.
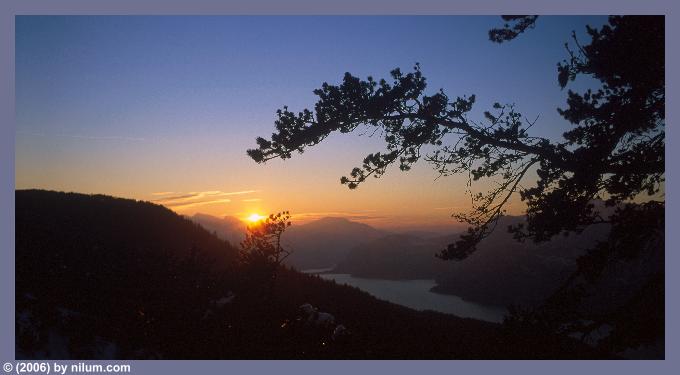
(202, 194)
(163, 193)
(242, 192)
(179, 206)
(178, 197)
(197, 198)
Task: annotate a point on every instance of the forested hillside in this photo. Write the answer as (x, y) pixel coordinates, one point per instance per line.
(103, 277)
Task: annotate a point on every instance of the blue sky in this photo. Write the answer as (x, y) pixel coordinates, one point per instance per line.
(136, 105)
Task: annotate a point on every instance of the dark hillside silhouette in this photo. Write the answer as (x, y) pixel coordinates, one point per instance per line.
(103, 277)
(113, 223)
(107, 270)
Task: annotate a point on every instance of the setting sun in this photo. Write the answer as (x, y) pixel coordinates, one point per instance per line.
(254, 218)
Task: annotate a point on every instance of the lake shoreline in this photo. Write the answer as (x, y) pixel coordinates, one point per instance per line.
(436, 289)
(417, 294)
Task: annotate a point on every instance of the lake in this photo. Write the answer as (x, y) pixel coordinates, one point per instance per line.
(416, 294)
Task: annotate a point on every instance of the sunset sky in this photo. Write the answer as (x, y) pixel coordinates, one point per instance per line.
(164, 108)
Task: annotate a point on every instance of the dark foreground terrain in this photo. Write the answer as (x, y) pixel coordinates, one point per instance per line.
(103, 277)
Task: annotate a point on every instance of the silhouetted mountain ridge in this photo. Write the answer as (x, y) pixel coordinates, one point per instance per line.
(325, 242)
(501, 272)
(103, 277)
(321, 243)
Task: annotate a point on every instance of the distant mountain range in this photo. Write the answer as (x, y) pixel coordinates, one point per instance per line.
(227, 228)
(326, 242)
(318, 244)
(501, 272)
